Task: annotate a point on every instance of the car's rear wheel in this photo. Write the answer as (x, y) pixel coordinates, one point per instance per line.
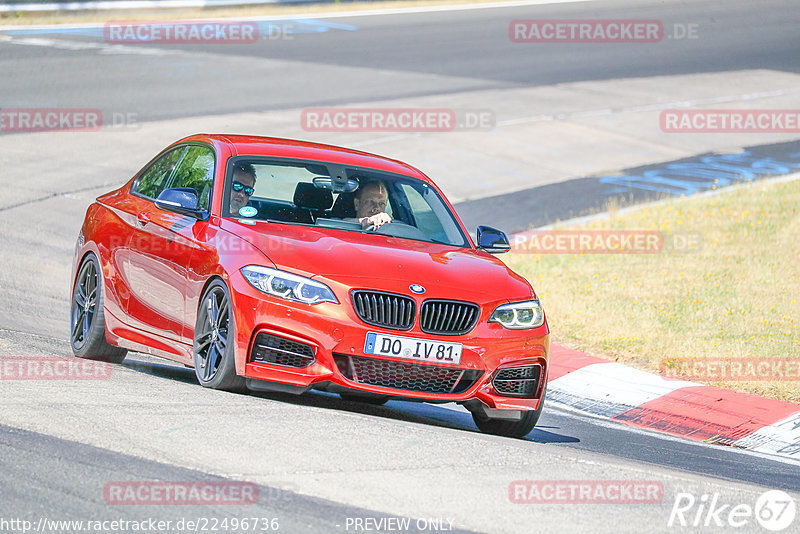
(510, 429)
(214, 335)
(87, 316)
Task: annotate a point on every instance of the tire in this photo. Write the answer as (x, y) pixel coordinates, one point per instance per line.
(375, 401)
(214, 333)
(511, 429)
(87, 316)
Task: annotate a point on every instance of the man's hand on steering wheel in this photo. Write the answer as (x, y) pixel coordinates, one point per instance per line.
(375, 221)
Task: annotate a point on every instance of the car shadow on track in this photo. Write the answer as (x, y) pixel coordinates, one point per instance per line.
(161, 370)
(444, 415)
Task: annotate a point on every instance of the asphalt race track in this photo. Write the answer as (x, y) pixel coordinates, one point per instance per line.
(561, 114)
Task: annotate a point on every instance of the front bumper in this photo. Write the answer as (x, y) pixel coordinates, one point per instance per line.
(336, 336)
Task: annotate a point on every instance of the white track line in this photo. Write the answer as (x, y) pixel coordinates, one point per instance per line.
(323, 15)
(580, 221)
(651, 107)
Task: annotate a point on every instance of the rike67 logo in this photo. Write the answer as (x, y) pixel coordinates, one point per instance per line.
(774, 510)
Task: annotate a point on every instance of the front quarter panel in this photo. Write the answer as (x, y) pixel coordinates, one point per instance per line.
(221, 254)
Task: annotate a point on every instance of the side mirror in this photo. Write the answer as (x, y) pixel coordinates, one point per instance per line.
(181, 200)
(492, 240)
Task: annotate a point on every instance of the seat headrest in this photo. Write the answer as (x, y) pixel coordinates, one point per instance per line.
(344, 207)
(308, 196)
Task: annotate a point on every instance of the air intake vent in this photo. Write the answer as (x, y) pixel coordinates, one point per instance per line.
(406, 376)
(281, 351)
(518, 381)
(448, 317)
(384, 309)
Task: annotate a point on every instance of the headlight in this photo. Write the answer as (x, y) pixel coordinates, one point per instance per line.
(287, 285)
(528, 314)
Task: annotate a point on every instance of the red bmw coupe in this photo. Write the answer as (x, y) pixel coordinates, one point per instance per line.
(281, 265)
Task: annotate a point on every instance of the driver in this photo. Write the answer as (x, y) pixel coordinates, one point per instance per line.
(242, 186)
(370, 202)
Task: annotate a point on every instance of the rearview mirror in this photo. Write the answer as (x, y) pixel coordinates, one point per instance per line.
(181, 200)
(492, 240)
(337, 186)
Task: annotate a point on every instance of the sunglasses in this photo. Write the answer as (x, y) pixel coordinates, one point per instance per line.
(238, 186)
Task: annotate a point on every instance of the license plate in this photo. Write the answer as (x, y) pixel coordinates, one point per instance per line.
(409, 348)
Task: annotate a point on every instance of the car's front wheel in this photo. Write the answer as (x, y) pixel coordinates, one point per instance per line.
(87, 318)
(214, 335)
(510, 429)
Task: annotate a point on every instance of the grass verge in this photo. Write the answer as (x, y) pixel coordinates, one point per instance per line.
(733, 299)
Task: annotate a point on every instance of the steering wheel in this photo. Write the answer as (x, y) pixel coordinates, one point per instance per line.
(399, 229)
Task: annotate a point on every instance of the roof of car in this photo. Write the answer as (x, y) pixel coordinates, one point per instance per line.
(250, 145)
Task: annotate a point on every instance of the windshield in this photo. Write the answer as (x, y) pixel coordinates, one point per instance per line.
(302, 193)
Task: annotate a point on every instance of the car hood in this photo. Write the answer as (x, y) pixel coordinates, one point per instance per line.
(382, 262)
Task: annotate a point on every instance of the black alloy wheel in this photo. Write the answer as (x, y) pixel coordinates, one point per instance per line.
(214, 336)
(87, 318)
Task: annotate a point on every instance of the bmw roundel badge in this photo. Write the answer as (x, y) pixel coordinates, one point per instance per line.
(416, 288)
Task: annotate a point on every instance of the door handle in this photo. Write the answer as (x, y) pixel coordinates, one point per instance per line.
(142, 219)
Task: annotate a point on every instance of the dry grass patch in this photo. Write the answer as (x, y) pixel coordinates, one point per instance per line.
(736, 297)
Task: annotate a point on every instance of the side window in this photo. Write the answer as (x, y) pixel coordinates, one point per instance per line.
(154, 179)
(196, 170)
